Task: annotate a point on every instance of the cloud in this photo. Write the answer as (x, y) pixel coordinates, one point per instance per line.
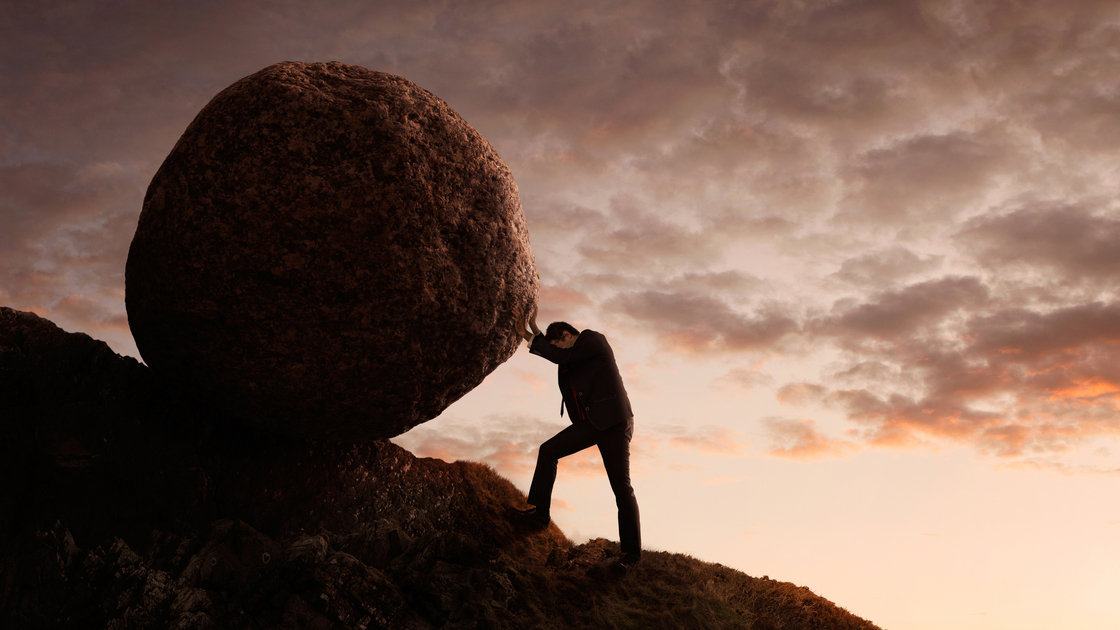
(1079, 243)
(707, 440)
(563, 296)
(782, 75)
(1090, 331)
(560, 303)
(800, 439)
(732, 285)
(558, 220)
(64, 235)
(1062, 468)
(139, 77)
(646, 241)
(924, 177)
(885, 267)
(742, 379)
(686, 323)
(801, 394)
(906, 311)
(506, 442)
(44, 201)
(1012, 382)
(83, 309)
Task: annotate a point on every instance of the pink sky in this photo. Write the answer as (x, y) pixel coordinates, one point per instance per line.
(857, 259)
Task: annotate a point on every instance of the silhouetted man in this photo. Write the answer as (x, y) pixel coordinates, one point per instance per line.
(599, 410)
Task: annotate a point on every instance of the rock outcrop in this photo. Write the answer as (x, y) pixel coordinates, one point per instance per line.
(329, 252)
(124, 501)
(97, 441)
(127, 505)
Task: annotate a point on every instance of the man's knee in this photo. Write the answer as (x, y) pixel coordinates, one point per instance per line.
(548, 452)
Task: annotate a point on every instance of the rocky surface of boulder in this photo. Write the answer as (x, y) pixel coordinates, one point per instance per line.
(329, 252)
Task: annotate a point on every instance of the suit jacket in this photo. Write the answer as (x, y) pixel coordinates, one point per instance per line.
(590, 384)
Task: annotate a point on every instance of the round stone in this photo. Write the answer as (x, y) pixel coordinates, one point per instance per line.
(329, 252)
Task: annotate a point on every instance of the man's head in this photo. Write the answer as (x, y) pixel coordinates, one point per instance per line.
(561, 334)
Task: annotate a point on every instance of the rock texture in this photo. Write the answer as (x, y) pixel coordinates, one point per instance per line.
(128, 506)
(329, 252)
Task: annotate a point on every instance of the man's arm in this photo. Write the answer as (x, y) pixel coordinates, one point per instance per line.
(589, 344)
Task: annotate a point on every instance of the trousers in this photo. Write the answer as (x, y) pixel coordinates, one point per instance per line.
(614, 447)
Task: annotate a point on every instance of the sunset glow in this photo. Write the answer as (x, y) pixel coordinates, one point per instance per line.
(858, 260)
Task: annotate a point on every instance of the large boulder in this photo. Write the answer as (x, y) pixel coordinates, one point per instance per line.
(329, 252)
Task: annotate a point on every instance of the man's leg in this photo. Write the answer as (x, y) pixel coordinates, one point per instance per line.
(573, 439)
(614, 446)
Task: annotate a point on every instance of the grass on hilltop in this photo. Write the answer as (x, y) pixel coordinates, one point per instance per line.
(560, 585)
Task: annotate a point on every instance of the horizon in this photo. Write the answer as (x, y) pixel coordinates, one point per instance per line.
(856, 260)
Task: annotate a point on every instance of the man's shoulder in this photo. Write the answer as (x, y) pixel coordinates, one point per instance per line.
(592, 334)
(593, 337)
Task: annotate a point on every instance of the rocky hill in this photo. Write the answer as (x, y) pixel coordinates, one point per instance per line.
(128, 504)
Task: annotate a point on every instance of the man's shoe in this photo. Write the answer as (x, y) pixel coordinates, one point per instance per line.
(533, 517)
(627, 563)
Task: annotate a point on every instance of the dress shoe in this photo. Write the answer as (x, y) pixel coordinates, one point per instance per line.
(533, 517)
(627, 563)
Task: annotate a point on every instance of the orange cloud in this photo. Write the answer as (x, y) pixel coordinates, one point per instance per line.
(1092, 387)
(800, 439)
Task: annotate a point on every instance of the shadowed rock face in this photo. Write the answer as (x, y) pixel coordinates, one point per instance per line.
(329, 252)
(101, 462)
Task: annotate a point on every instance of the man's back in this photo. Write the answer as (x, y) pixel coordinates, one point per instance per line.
(593, 387)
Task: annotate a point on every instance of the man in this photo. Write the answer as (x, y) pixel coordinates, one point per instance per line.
(592, 393)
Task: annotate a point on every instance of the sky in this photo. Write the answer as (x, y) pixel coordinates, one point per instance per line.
(857, 259)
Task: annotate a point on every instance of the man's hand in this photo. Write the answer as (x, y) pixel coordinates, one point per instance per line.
(533, 320)
(519, 322)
